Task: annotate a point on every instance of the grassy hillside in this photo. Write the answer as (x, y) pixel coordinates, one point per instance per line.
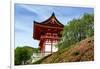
(81, 51)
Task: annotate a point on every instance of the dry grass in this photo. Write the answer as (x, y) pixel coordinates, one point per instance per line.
(81, 51)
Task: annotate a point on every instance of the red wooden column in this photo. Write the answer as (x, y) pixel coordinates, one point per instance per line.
(42, 45)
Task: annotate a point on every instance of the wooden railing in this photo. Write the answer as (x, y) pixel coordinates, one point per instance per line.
(49, 37)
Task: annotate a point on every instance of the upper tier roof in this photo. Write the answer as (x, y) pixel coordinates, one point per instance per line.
(51, 21)
(51, 24)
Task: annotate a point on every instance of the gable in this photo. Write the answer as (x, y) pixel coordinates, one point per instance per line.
(52, 21)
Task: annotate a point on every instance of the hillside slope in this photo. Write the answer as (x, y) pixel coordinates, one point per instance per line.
(81, 51)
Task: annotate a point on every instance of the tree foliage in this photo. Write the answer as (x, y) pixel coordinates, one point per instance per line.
(36, 50)
(77, 30)
(23, 54)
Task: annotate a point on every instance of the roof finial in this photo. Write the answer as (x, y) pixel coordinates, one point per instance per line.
(53, 14)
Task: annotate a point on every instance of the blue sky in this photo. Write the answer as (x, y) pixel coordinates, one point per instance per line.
(25, 14)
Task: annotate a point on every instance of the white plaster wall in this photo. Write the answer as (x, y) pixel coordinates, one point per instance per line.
(48, 48)
(54, 49)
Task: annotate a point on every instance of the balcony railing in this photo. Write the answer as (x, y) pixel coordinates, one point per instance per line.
(49, 37)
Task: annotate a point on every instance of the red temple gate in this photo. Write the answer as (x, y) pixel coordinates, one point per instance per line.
(49, 33)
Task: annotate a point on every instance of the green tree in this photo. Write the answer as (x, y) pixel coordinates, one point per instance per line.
(36, 50)
(22, 54)
(77, 30)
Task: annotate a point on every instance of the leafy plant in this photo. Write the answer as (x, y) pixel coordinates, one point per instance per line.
(22, 54)
(77, 30)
